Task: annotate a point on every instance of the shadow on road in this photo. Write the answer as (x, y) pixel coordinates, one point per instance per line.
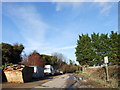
(44, 78)
(38, 79)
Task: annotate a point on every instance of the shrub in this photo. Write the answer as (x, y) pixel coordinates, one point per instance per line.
(69, 68)
(34, 59)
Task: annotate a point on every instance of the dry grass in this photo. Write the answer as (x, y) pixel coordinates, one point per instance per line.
(99, 76)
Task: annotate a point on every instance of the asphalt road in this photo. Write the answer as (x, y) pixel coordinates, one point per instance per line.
(59, 82)
(48, 82)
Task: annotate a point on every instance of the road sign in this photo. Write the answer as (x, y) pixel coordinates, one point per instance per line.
(106, 59)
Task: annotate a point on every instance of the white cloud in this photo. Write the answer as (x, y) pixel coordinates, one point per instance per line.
(71, 5)
(49, 50)
(104, 7)
(34, 29)
(102, 4)
(30, 24)
(69, 47)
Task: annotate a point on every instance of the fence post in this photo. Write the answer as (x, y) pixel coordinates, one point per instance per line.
(107, 75)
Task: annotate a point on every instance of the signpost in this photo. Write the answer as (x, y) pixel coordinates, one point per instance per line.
(106, 59)
(106, 66)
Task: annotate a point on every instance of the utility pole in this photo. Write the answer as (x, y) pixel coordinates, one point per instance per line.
(106, 66)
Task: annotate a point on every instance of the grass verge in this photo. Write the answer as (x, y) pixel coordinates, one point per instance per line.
(100, 81)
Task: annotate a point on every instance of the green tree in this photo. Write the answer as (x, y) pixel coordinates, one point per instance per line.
(92, 50)
(48, 59)
(7, 56)
(84, 51)
(71, 62)
(17, 50)
(58, 59)
(104, 45)
(100, 44)
(96, 47)
(114, 47)
(11, 53)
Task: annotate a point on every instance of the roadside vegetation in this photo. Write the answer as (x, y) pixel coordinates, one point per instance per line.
(98, 75)
(11, 54)
(91, 49)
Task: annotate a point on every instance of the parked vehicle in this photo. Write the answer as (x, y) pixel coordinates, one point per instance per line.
(49, 70)
(38, 72)
(59, 72)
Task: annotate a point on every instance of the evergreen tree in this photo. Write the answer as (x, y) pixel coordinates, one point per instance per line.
(95, 45)
(17, 50)
(7, 56)
(71, 62)
(114, 44)
(104, 47)
(92, 50)
(11, 53)
(84, 51)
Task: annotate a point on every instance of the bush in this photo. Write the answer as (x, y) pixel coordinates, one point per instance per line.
(34, 59)
(6, 64)
(69, 68)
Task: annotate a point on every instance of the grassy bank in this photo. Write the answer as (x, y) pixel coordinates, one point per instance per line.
(98, 75)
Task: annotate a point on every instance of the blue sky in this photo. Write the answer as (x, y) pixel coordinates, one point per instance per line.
(50, 27)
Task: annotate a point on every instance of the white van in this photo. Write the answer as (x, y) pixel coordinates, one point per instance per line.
(38, 72)
(49, 70)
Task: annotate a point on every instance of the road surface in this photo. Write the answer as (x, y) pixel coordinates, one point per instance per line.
(50, 81)
(59, 82)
